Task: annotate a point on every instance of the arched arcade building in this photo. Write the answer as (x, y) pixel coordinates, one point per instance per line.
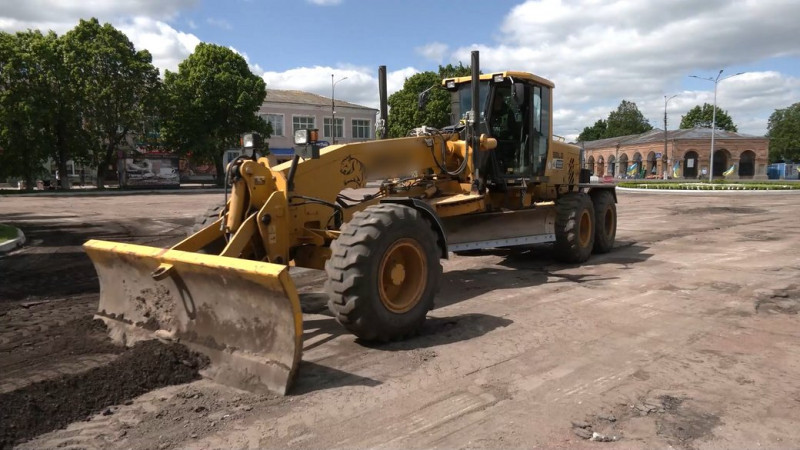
(736, 155)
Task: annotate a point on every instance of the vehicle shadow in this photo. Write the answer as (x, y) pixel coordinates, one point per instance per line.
(435, 332)
(315, 377)
(530, 267)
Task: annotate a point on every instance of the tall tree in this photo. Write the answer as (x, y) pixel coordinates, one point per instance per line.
(211, 100)
(783, 131)
(626, 120)
(702, 117)
(118, 87)
(404, 113)
(22, 149)
(595, 132)
(38, 116)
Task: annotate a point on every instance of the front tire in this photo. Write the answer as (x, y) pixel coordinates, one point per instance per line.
(383, 273)
(574, 228)
(205, 219)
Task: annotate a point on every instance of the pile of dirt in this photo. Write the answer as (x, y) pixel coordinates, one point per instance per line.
(52, 404)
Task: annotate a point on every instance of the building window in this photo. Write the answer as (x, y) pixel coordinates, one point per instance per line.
(361, 128)
(276, 120)
(339, 127)
(302, 123)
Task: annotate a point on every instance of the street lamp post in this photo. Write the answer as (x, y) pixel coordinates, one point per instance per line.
(669, 160)
(716, 81)
(333, 108)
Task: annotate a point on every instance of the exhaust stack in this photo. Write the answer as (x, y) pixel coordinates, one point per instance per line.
(383, 130)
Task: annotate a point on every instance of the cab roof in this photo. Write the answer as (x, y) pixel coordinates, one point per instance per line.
(510, 73)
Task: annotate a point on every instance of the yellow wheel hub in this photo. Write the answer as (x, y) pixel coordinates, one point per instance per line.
(609, 222)
(402, 275)
(585, 231)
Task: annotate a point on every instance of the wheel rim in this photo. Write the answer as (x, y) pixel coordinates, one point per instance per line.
(402, 275)
(608, 222)
(585, 231)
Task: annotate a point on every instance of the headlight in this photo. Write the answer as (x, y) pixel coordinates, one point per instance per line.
(252, 140)
(301, 137)
(247, 140)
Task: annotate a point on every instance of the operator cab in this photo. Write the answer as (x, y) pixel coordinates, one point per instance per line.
(515, 110)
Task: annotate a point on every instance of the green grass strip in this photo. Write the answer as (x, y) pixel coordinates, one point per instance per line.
(717, 185)
(7, 233)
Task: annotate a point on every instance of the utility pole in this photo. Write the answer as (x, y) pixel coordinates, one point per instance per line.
(669, 160)
(716, 81)
(333, 109)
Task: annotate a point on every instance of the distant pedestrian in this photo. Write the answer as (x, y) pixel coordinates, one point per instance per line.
(58, 179)
(83, 177)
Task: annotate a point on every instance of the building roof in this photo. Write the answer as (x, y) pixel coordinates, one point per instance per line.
(307, 98)
(656, 135)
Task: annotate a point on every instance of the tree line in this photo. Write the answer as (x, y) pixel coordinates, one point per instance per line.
(80, 96)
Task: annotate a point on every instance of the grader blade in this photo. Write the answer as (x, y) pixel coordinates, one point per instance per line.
(244, 315)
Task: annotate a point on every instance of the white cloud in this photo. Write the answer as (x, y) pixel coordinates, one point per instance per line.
(167, 45)
(69, 11)
(219, 23)
(600, 52)
(325, 2)
(360, 87)
(435, 51)
(141, 20)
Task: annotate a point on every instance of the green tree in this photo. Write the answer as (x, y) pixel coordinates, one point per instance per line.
(783, 131)
(702, 117)
(38, 116)
(211, 101)
(117, 85)
(404, 113)
(595, 132)
(626, 120)
(22, 149)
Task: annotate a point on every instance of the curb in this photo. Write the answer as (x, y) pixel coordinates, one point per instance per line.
(13, 244)
(113, 192)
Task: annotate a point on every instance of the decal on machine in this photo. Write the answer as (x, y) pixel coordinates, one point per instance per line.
(354, 172)
(571, 175)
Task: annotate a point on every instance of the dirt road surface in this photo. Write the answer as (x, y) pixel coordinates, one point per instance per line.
(685, 335)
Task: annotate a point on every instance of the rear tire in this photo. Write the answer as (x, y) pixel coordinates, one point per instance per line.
(605, 221)
(383, 273)
(574, 228)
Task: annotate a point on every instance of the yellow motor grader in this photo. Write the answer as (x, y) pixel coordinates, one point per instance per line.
(496, 178)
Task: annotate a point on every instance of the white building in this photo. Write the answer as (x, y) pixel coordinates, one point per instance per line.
(288, 111)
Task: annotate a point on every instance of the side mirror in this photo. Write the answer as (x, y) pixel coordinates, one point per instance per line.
(422, 99)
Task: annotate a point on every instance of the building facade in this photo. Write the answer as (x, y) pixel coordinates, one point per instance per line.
(288, 111)
(682, 154)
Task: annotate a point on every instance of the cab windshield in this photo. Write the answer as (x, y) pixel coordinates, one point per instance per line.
(464, 96)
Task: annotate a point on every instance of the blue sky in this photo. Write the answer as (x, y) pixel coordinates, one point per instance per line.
(597, 52)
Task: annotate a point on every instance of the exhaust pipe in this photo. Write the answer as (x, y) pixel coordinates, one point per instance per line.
(383, 131)
(477, 184)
